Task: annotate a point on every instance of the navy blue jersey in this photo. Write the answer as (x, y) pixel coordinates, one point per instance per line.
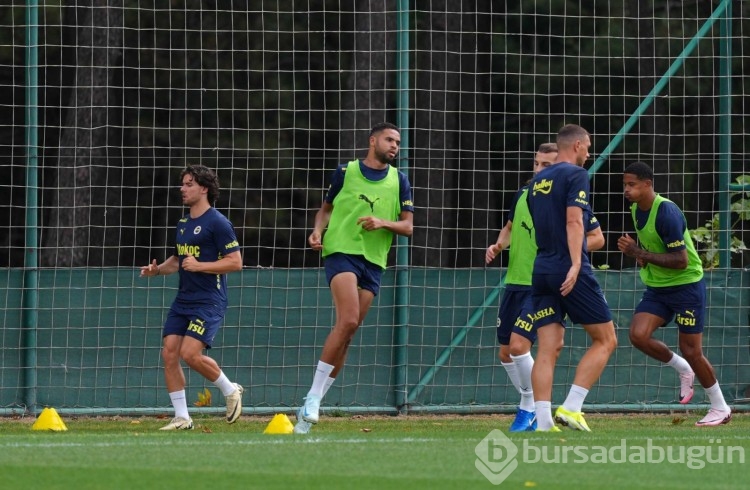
(670, 223)
(590, 222)
(337, 181)
(207, 238)
(551, 192)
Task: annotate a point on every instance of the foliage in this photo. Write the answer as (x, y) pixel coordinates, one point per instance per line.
(706, 237)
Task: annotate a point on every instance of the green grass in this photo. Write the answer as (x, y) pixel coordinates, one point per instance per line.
(408, 452)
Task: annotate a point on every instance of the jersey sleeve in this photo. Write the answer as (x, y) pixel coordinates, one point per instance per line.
(591, 222)
(514, 203)
(337, 182)
(406, 197)
(671, 226)
(578, 190)
(225, 237)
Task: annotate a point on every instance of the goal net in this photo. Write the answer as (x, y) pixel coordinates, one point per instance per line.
(104, 103)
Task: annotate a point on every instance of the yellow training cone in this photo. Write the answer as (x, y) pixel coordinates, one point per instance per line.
(279, 424)
(49, 420)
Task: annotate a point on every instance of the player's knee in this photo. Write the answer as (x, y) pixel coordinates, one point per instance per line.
(503, 356)
(520, 347)
(346, 327)
(639, 339)
(191, 358)
(169, 357)
(611, 343)
(691, 353)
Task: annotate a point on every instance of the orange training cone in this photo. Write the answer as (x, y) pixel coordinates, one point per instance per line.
(49, 420)
(279, 424)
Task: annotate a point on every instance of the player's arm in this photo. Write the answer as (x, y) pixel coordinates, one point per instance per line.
(322, 217)
(503, 241)
(670, 226)
(677, 259)
(404, 226)
(595, 239)
(574, 229)
(228, 263)
(169, 266)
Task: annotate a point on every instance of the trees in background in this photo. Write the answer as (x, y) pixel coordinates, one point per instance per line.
(274, 99)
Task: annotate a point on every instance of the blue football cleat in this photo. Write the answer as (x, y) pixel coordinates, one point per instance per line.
(524, 421)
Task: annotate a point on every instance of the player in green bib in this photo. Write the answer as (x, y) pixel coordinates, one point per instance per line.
(369, 201)
(675, 289)
(515, 332)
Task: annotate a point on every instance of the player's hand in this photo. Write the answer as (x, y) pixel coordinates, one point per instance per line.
(370, 223)
(627, 245)
(491, 253)
(191, 264)
(570, 280)
(315, 241)
(150, 270)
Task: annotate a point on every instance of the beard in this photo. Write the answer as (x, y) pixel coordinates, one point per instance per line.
(383, 157)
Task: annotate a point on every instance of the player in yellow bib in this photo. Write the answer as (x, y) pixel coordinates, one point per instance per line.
(672, 272)
(515, 331)
(368, 202)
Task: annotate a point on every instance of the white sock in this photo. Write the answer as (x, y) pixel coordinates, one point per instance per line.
(574, 401)
(179, 402)
(679, 364)
(223, 383)
(544, 415)
(717, 397)
(512, 370)
(322, 373)
(524, 363)
(327, 385)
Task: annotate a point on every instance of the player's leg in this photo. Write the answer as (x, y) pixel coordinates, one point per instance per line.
(588, 371)
(506, 315)
(520, 353)
(346, 302)
(642, 328)
(586, 305)
(549, 345)
(201, 331)
(691, 347)
(347, 331)
(354, 283)
(593, 362)
(689, 304)
(548, 318)
(172, 337)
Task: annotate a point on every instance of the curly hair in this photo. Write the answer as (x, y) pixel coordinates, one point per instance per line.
(204, 177)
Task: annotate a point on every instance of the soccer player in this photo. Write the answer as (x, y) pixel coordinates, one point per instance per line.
(514, 320)
(563, 282)
(367, 202)
(206, 249)
(673, 275)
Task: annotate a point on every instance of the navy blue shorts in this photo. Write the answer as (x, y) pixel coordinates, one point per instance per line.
(200, 321)
(585, 304)
(515, 314)
(368, 274)
(686, 304)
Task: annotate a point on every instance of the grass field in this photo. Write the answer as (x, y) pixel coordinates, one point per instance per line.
(374, 452)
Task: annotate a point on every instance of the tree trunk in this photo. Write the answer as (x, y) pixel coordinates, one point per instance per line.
(364, 98)
(451, 139)
(82, 206)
